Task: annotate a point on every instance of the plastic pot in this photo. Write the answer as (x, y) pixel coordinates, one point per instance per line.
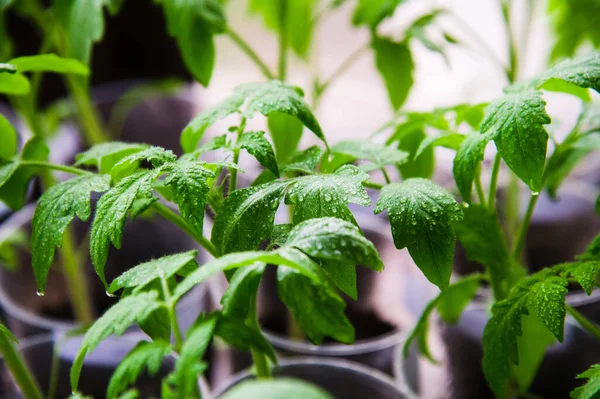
(144, 238)
(341, 378)
(41, 351)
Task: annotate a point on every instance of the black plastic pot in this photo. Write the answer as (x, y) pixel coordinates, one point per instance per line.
(144, 238)
(40, 351)
(556, 375)
(342, 379)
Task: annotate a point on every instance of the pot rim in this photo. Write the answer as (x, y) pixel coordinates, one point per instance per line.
(315, 361)
(14, 309)
(360, 347)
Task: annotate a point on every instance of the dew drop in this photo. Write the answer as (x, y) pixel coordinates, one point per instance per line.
(108, 294)
(40, 293)
(465, 204)
(535, 193)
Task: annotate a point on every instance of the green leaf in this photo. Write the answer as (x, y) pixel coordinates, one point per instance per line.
(334, 240)
(157, 156)
(417, 166)
(242, 287)
(188, 181)
(285, 131)
(582, 71)
(236, 333)
(316, 308)
(111, 214)
(6, 336)
(298, 24)
(145, 355)
(187, 366)
(259, 147)
(14, 84)
(8, 138)
(532, 347)
(50, 63)
(395, 64)
(586, 273)
(290, 257)
(14, 179)
(592, 387)
(116, 320)
(466, 162)
(246, 217)
(372, 12)
(328, 195)
(450, 305)
(305, 161)
(106, 155)
(280, 388)
(55, 210)
(378, 155)
(447, 140)
(480, 234)
(193, 23)
(343, 276)
(574, 25)
(421, 214)
(83, 24)
(7, 68)
(516, 123)
(264, 98)
(161, 268)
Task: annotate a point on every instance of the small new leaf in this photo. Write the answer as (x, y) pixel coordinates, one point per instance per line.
(264, 98)
(421, 214)
(328, 195)
(378, 155)
(592, 387)
(395, 64)
(188, 181)
(246, 217)
(259, 147)
(55, 210)
(111, 214)
(162, 268)
(372, 12)
(116, 320)
(516, 123)
(146, 355)
(106, 155)
(466, 162)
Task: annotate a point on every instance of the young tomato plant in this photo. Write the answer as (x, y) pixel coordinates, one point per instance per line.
(515, 123)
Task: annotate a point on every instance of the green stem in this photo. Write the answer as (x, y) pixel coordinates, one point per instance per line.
(171, 310)
(480, 192)
(344, 66)
(518, 248)
(245, 47)
(233, 172)
(494, 182)
(373, 185)
(48, 165)
(76, 282)
(178, 221)
(592, 328)
(386, 176)
(263, 370)
(283, 40)
(88, 115)
(19, 370)
(513, 54)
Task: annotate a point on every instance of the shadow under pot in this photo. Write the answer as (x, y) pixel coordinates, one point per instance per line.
(55, 353)
(377, 316)
(144, 238)
(340, 378)
(556, 377)
(559, 230)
